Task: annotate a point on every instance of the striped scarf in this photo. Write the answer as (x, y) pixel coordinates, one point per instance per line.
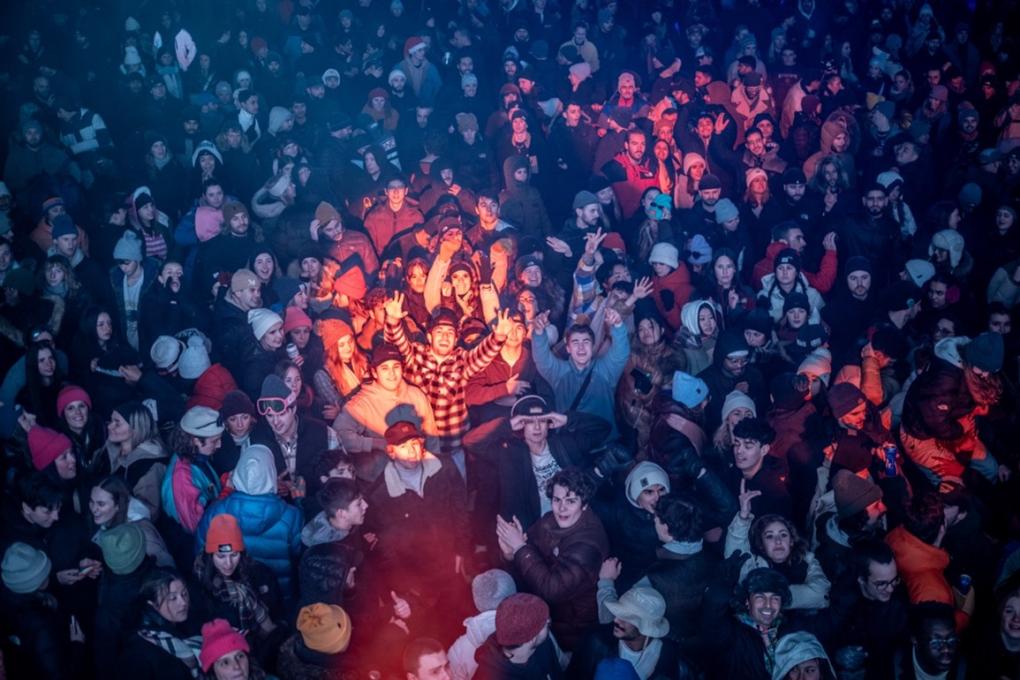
(185, 650)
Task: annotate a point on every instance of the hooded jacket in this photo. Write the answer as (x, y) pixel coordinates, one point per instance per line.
(271, 527)
(142, 470)
(771, 291)
(796, 648)
(461, 656)
(520, 203)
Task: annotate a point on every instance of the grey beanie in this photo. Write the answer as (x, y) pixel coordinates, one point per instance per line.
(490, 588)
(129, 247)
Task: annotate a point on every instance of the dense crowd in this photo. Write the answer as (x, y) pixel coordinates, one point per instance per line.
(510, 339)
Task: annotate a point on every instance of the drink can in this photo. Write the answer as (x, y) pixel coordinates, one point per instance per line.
(292, 350)
(965, 583)
(890, 460)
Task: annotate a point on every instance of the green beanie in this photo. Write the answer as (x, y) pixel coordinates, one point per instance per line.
(123, 548)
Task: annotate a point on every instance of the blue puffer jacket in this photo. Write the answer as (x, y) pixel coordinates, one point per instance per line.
(271, 530)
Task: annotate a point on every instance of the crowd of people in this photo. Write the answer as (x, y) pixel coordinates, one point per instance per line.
(518, 339)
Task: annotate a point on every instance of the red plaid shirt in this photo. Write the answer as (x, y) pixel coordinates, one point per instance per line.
(444, 382)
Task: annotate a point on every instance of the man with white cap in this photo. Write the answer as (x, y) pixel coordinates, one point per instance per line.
(639, 630)
(191, 483)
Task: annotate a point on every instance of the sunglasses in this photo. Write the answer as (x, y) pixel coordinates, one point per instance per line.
(271, 405)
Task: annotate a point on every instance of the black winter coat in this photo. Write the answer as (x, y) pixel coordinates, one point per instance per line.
(493, 664)
(117, 595)
(44, 650)
(935, 402)
(230, 333)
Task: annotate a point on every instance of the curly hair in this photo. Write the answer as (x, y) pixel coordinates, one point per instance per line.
(574, 480)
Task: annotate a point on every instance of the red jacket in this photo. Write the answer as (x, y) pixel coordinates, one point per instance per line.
(822, 281)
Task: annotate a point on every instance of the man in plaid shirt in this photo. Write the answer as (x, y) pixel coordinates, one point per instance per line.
(442, 369)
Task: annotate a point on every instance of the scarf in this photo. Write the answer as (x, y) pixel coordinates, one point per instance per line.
(161, 163)
(683, 547)
(251, 612)
(769, 638)
(185, 650)
(59, 290)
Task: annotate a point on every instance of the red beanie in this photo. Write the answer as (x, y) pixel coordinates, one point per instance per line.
(519, 618)
(351, 283)
(295, 318)
(411, 43)
(69, 394)
(218, 640)
(46, 446)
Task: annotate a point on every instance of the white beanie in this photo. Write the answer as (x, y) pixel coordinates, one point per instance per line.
(131, 24)
(817, 364)
(195, 359)
(665, 253)
(920, 271)
(131, 56)
(644, 475)
(255, 472)
(166, 352)
(737, 399)
(262, 320)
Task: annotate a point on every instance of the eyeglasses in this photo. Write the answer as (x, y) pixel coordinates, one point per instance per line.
(938, 644)
(271, 405)
(885, 585)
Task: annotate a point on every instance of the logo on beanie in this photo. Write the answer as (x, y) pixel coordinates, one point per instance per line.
(225, 548)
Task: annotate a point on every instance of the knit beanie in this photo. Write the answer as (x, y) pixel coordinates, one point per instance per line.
(46, 446)
(852, 493)
(326, 213)
(129, 247)
(970, 194)
(817, 364)
(324, 628)
(63, 226)
(919, 271)
(787, 256)
(737, 399)
(644, 475)
(985, 352)
(857, 263)
(273, 387)
(165, 352)
(689, 390)
(584, 198)
(224, 535)
(758, 319)
(844, 398)
(690, 159)
(710, 182)
(490, 588)
(665, 253)
(194, 359)
(725, 210)
(70, 394)
(25, 569)
(123, 548)
(237, 402)
(519, 618)
(296, 318)
(262, 321)
(218, 640)
(466, 121)
(351, 283)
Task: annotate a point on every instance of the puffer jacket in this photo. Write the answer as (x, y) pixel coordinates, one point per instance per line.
(939, 397)
(271, 530)
(562, 566)
(477, 630)
(923, 568)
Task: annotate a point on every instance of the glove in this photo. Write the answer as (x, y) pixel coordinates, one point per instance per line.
(614, 457)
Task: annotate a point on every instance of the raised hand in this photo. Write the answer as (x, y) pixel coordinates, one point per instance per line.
(745, 499)
(559, 245)
(593, 240)
(394, 307)
(504, 324)
(643, 288)
(613, 317)
(610, 569)
(401, 609)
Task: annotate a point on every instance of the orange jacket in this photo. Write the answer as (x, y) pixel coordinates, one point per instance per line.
(922, 567)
